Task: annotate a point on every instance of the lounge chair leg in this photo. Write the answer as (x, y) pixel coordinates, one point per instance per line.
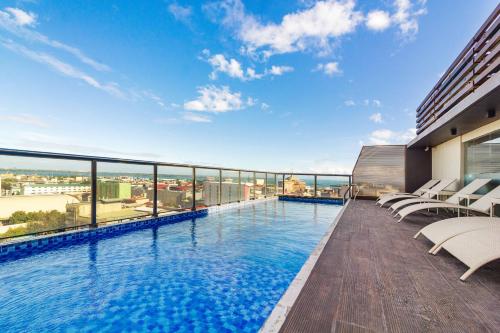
(416, 235)
(468, 273)
(432, 249)
(436, 250)
(401, 219)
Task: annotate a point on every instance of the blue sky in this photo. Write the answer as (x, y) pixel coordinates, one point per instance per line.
(277, 85)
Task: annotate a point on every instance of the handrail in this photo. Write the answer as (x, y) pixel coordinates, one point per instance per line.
(75, 157)
(348, 191)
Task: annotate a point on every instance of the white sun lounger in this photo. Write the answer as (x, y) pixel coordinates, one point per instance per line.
(444, 183)
(455, 199)
(475, 248)
(482, 205)
(419, 191)
(439, 232)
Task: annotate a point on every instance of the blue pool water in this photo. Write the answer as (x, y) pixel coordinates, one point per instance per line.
(221, 273)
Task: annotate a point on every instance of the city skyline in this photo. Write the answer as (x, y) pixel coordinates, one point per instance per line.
(231, 92)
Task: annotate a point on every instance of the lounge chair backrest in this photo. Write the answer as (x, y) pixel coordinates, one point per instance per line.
(483, 204)
(475, 185)
(444, 183)
(426, 186)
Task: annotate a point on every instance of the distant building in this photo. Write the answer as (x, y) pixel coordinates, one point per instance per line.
(42, 189)
(34, 203)
(294, 185)
(170, 199)
(112, 189)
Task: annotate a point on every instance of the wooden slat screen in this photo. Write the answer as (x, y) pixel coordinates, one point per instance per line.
(475, 65)
(380, 169)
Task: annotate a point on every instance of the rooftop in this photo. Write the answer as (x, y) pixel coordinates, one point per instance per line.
(373, 276)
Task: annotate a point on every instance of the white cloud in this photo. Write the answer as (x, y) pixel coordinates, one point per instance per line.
(330, 68)
(197, 118)
(214, 99)
(376, 117)
(22, 17)
(366, 102)
(386, 136)
(280, 70)
(25, 119)
(318, 27)
(63, 68)
(315, 27)
(153, 97)
(233, 68)
(406, 16)
(18, 25)
(264, 106)
(180, 13)
(378, 20)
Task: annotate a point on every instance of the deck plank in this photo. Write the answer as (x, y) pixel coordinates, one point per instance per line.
(373, 277)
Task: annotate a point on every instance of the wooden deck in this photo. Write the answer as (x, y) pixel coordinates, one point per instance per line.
(374, 277)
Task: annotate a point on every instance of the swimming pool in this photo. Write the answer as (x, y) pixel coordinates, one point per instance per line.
(220, 273)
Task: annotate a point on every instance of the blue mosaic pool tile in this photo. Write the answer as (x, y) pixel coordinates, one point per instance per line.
(327, 201)
(27, 247)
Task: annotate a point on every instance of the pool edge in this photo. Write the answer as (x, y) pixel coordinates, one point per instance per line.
(26, 246)
(280, 311)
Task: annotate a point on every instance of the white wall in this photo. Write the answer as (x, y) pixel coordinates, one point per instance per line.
(447, 161)
(447, 158)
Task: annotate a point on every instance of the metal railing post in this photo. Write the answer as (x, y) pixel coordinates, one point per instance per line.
(275, 185)
(254, 185)
(239, 186)
(93, 195)
(315, 186)
(194, 190)
(265, 185)
(350, 184)
(283, 184)
(219, 199)
(155, 190)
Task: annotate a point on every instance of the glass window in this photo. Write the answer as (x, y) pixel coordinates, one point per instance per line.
(299, 185)
(207, 187)
(482, 159)
(260, 185)
(247, 185)
(39, 195)
(331, 186)
(175, 189)
(124, 191)
(271, 184)
(230, 186)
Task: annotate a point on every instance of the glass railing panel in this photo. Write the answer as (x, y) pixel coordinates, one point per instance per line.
(207, 187)
(299, 185)
(230, 186)
(332, 186)
(124, 191)
(279, 183)
(247, 185)
(260, 185)
(175, 189)
(40, 195)
(271, 184)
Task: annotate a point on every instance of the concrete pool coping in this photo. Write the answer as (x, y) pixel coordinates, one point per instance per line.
(277, 317)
